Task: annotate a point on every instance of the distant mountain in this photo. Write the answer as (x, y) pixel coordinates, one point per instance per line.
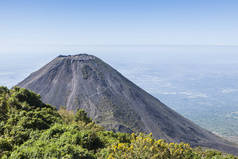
(85, 81)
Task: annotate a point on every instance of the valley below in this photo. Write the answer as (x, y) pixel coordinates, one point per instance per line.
(207, 96)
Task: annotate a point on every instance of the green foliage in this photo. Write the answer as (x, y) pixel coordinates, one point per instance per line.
(5, 146)
(31, 129)
(67, 116)
(3, 90)
(143, 147)
(3, 109)
(23, 114)
(60, 141)
(81, 115)
(24, 95)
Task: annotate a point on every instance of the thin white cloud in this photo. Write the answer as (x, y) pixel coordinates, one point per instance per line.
(229, 90)
(168, 93)
(193, 94)
(6, 73)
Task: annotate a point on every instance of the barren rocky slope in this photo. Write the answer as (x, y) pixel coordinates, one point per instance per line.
(85, 81)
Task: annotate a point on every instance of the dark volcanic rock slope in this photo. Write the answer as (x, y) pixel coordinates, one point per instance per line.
(85, 81)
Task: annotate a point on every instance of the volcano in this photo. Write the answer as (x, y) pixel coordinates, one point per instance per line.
(111, 100)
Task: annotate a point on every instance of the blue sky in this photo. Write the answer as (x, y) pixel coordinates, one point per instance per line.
(29, 25)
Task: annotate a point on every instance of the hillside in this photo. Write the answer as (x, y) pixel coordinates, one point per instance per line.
(85, 81)
(31, 129)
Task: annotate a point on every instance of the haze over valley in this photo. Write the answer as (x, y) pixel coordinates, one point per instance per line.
(204, 82)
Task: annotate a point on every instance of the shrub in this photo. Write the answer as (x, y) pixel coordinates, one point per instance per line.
(81, 115)
(67, 116)
(144, 147)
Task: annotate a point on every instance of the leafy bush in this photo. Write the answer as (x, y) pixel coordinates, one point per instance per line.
(143, 146)
(67, 116)
(60, 141)
(81, 115)
(5, 145)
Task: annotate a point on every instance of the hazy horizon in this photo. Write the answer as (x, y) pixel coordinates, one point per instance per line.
(50, 26)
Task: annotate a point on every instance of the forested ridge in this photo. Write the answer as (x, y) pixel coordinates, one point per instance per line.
(30, 128)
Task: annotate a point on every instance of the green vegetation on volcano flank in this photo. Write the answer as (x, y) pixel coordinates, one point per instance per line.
(30, 128)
